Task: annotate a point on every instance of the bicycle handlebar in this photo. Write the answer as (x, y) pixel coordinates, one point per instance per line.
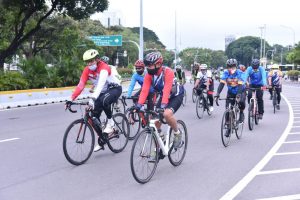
(69, 105)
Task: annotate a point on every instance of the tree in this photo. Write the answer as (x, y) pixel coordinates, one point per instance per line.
(22, 15)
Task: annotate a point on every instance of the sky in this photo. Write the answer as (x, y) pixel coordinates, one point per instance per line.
(205, 23)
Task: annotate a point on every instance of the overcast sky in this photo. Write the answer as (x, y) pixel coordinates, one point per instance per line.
(205, 23)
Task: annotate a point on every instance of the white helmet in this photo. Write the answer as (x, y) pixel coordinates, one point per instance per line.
(178, 67)
(203, 66)
(90, 54)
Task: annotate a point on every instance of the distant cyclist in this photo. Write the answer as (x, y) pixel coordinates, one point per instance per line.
(179, 75)
(204, 81)
(195, 71)
(256, 76)
(275, 80)
(232, 77)
(107, 88)
(162, 80)
(138, 76)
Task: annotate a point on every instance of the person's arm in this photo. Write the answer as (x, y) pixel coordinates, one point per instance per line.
(83, 79)
(169, 76)
(270, 78)
(145, 89)
(132, 84)
(101, 82)
(263, 75)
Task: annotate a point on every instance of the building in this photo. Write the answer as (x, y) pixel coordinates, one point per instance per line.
(229, 39)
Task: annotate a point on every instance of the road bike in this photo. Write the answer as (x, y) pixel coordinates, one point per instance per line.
(230, 121)
(274, 97)
(202, 104)
(194, 95)
(253, 115)
(149, 147)
(79, 137)
(184, 97)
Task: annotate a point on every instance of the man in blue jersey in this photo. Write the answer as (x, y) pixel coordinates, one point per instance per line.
(256, 75)
(232, 77)
(138, 76)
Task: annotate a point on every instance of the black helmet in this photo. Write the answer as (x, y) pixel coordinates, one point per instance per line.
(231, 62)
(255, 63)
(153, 58)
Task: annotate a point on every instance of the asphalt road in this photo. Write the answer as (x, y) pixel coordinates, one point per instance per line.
(33, 165)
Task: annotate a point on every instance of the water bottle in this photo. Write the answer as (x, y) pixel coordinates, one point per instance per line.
(97, 125)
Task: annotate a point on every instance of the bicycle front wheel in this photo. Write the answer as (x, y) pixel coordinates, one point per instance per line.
(238, 126)
(226, 128)
(144, 156)
(194, 95)
(78, 142)
(200, 107)
(251, 116)
(118, 140)
(256, 119)
(134, 121)
(176, 155)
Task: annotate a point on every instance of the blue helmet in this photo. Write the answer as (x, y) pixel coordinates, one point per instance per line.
(255, 63)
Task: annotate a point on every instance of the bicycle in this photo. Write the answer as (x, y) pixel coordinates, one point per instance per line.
(79, 135)
(230, 122)
(253, 115)
(274, 97)
(202, 104)
(118, 106)
(184, 98)
(194, 95)
(148, 148)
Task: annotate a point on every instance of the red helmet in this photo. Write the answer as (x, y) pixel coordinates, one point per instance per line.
(153, 58)
(139, 64)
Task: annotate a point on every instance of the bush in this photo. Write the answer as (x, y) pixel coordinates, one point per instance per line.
(293, 75)
(125, 72)
(12, 81)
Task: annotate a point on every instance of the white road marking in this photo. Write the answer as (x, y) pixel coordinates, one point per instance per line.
(236, 189)
(296, 127)
(7, 140)
(292, 142)
(294, 133)
(279, 171)
(287, 153)
(289, 197)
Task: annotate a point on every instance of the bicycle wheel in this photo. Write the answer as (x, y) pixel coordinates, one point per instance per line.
(176, 155)
(226, 128)
(207, 107)
(194, 95)
(184, 98)
(78, 142)
(251, 116)
(144, 156)
(134, 121)
(274, 100)
(200, 106)
(118, 140)
(117, 107)
(256, 119)
(238, 127)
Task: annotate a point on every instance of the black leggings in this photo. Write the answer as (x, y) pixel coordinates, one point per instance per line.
(278, 91)
(232, 102)
(150, 97)
(259, 96)
(104, 101)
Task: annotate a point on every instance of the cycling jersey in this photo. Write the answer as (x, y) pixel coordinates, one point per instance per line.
(275, 77)
(136, 78)
(180, 76)
(257, 77)
(164, 83)
(232, 80)
(102, 78)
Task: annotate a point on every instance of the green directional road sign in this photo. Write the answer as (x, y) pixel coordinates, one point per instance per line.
(107, 40)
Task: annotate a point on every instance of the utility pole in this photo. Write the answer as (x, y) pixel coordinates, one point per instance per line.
(175, 41)
(141, 50)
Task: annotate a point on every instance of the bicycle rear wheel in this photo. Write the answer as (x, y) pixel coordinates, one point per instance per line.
(194, 95)
(134, 121)
(256, 119)
(78, 142)
(176, 155)
(144, 156)
(184, 98)
(226, 128)
(200, 106)
(238, 126)
(118, 140)
(274, 100)
(251, 116)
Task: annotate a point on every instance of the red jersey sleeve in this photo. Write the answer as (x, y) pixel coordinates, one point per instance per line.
(169, 77)
(145, 89)
(83, 79)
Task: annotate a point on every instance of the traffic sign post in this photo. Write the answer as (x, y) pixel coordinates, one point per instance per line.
(107, 40)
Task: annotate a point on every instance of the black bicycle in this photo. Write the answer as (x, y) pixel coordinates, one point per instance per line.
(202, 104)
(194, 95)
(230, 122)
(274, 97)
(253, 115)
(79, 138)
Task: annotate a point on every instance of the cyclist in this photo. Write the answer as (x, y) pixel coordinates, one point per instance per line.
(138, 76)
(205, 81)
(256, 75)
(107, 87)
(195, 71)
(232, 77)
(162, 80)
(105, 59)
(275, 80)
(179, 75)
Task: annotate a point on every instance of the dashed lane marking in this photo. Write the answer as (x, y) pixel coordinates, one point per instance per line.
(8, 140)
(287, 153)
(289, 197)
(279, 171)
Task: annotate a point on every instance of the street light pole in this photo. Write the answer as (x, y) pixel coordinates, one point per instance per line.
(141, 49)
(290, 28)
(261, 29)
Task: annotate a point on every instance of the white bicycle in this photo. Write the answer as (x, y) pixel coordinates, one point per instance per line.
(149, 147)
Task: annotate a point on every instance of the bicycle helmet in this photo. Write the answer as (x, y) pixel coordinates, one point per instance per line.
(203, 66)
(105, 59)
(139, 64)
(153, 58)
(90, 54)
(275, 66)
(231, 63)
(255, 63)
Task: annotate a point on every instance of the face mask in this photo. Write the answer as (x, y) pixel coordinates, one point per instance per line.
(178, 70)
(232, 70)
(93, 67)
(152, 71)
(140, 72)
